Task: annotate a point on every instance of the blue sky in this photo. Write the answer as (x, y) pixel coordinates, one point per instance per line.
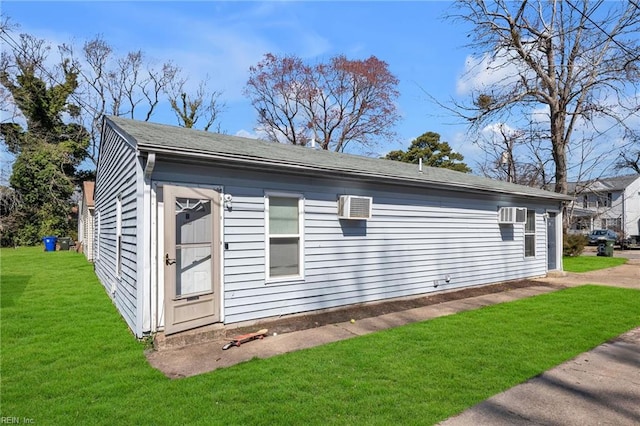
(222, 39)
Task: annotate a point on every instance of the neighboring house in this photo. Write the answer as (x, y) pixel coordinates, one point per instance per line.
(195, 228)
(606, 203)
(86, 220)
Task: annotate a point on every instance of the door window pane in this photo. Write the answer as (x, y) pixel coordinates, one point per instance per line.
(193, 270)
(193, 246)
(193, 221)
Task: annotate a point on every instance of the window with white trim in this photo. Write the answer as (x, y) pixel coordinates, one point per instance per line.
(119, 235)
(530, 234)
(284, 227)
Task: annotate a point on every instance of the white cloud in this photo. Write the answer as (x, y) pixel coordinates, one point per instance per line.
(462, 142)
(224, 45)
(246, 134)
(225, 62)
(501, 68)
(482, 72)
(498, 129)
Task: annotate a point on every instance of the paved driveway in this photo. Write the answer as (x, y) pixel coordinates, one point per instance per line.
(627, 275)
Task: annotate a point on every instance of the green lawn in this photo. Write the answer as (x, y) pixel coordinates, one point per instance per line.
(590, 263)
(68, 358)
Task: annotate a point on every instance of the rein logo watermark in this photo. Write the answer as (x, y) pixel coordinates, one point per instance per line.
(16, 420)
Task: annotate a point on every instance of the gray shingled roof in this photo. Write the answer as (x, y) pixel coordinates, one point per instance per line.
(159, 138)
(617, 183)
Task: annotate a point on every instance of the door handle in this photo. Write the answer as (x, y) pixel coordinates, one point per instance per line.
(168, 261)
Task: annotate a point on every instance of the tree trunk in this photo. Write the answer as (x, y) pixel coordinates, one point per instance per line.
(559, 149)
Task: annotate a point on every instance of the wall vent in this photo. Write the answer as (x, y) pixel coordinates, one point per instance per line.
(354, 207)
(510, 215)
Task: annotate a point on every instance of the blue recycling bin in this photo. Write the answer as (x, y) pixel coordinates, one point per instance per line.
(50, 243)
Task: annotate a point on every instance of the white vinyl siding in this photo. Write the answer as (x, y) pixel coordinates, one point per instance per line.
(415, 238)
(426, 234)
(88, 234)
(283, 236)
(86, 222)
(116, 242)
(530, 234)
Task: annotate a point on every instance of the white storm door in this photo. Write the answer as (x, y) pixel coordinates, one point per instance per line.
(191, 261)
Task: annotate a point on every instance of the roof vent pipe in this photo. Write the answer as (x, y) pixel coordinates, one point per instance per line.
(313, 143)
(420, 165)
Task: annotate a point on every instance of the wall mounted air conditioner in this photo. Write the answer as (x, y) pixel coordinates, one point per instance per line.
(510, 215)
(354, 207)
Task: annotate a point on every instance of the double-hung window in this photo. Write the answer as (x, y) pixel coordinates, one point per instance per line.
(530, 234)
(284, 225)
(119, 235)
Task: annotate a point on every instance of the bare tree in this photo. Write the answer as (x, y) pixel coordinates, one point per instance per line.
(9, 202)
(204, 104)
(577, 60)
(629, 160)
(514, 155)
(107, 82)
(128, 85)
(334, 103)
(630, 157)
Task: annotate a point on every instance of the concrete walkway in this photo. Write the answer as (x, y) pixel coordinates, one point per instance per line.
(601, 386)
(627, 275)
(201, 358)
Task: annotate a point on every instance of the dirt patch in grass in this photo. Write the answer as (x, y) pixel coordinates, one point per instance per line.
(297, 322)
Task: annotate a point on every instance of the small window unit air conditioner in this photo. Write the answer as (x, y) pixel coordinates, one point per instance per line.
(510, 215)
(354, 207)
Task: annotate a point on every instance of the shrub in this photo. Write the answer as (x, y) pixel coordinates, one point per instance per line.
(573, 244)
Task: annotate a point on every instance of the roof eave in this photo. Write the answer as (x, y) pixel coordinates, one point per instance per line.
(258, 163)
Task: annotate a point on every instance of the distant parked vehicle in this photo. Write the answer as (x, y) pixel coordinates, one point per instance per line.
(602, 235)
(633, 242)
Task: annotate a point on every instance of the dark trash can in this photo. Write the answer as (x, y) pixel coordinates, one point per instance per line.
(65, 243)
(605, 248)
(50, 243)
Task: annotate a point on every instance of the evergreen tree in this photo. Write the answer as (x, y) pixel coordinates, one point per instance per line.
(50, 148)
(433, 152)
